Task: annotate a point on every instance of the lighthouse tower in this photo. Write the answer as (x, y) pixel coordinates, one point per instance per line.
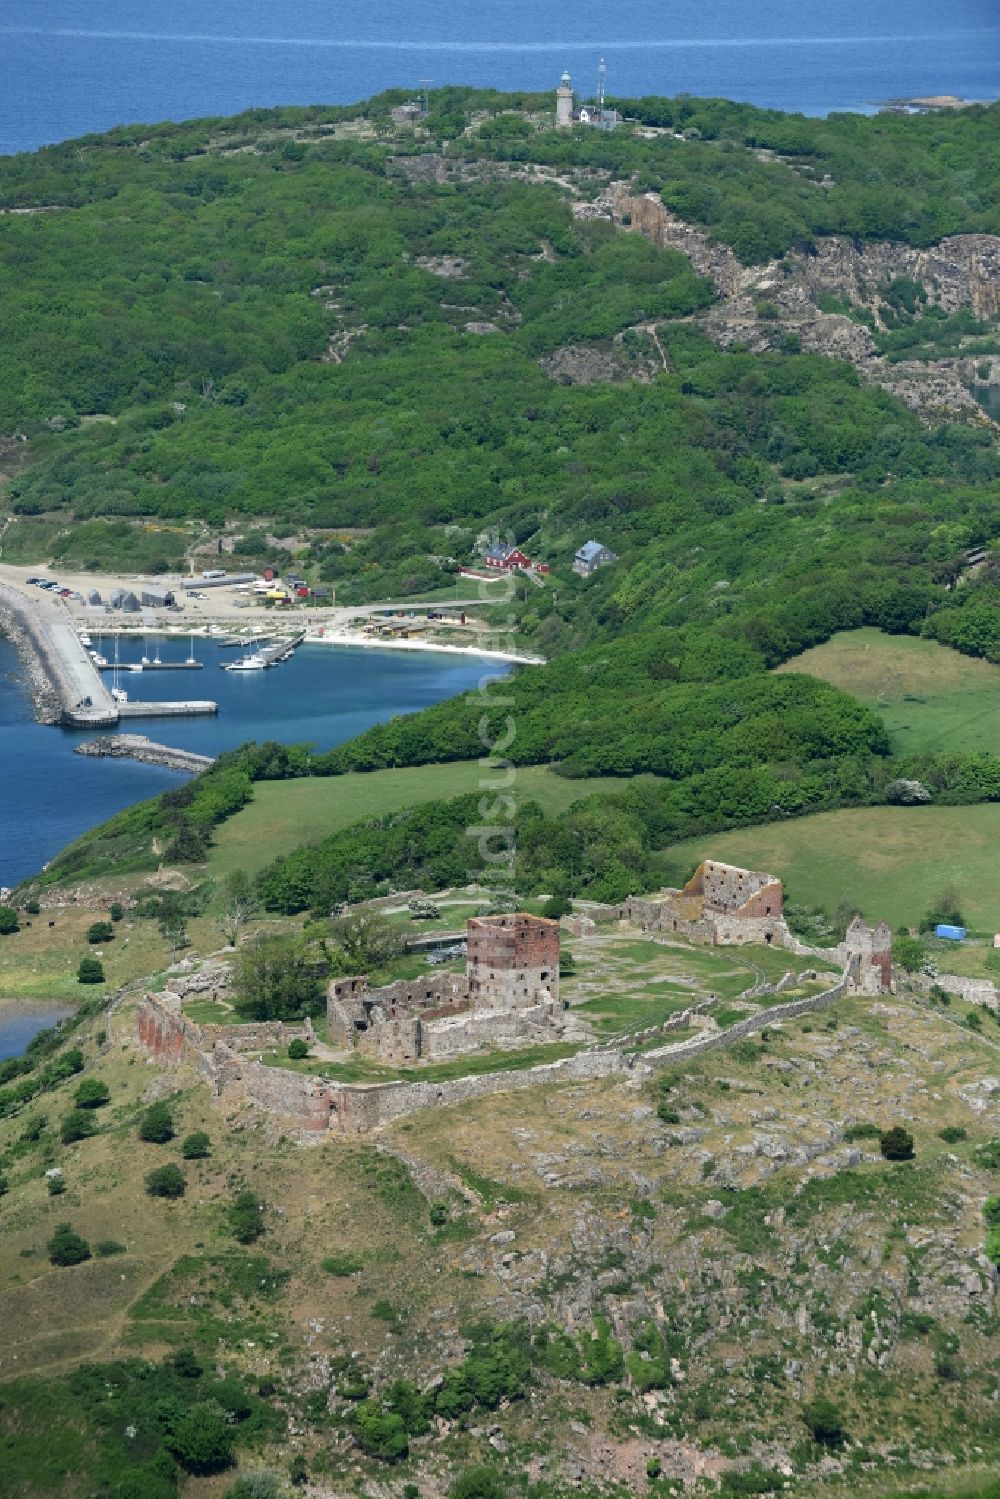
(564, 103)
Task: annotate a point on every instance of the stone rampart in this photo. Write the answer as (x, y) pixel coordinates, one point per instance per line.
(973, 991)
(262, 1035)
(164, 1031)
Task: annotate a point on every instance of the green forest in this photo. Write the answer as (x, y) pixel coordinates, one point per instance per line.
(306, 320)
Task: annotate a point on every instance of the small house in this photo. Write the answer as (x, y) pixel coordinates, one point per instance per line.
(504, 558)
(591, 556)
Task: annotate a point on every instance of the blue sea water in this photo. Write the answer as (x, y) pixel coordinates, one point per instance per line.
(323, 695)
(70, 66)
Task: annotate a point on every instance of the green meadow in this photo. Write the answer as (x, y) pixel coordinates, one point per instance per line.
(930, 697)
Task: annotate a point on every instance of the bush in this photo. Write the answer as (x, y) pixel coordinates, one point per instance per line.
(298, 1049)
(953, 1133)
(202, 1440)
(33, 906)
(67, 1247)
(245, 1217)
(55, 1185)
(90, 971)
(262, 1485)
(4, 1185)
(157, 1124)
(104, 1249)
(862, 1132)
(991, 1212)
(478, 1483)
(342, 1264)
(91, 1094)
(117, 910)
(896, 1144)
(166, 1181)
(439, 1213)
(909, 954)
(187, 1363)
(100, 931)
(77, 1125)
(825, 1422)
(196, 1146)
(8, 921)
(379, 1432)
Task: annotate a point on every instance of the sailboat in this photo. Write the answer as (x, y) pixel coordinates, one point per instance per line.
(117, 690)
(145, 650)
(98, 657)
(191, 660)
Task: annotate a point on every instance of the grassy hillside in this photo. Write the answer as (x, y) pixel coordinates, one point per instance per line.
(682, 1216)
(891, 862)
(930, 698)
(284, 814)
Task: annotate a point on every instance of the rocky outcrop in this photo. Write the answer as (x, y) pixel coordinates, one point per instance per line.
(963, 271)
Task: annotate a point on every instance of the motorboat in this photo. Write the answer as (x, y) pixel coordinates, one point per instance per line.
(252, 662)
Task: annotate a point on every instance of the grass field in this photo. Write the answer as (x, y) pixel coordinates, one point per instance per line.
(930, 697)
(286, 813)
(890, 861)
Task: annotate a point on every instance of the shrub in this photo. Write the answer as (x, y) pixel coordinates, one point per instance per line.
(379, 1432)
(991, 1212)
(166, 1181)
(91, 1094)
(298, 1471)
(896, 1144)
(55, 1185)
(952, 1133)
(187, 1363)
(909, 954)
(202, 1440)
(33, 906)
(67, 1247)
(262, 1485)
(298, 1049)
(478, 1483)
(117, 910)
(439, 1213)
(342, 1264)
(556, 906)
(4, 1185)
(196, 1146)
(824, 1421)
(245, 1217)
(863, 1132)
(77, 1125)
(157, 1124)
(100, 931)
(104, 1249)
(8, 921)
(90, 971)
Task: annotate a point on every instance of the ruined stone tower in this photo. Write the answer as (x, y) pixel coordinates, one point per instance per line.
(564, 103)
(868, 957)
(512, 961)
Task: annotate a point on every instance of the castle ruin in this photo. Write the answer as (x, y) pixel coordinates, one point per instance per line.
(508, 996)
(721, 904)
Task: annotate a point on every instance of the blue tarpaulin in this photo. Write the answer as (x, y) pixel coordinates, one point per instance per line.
(952, 933)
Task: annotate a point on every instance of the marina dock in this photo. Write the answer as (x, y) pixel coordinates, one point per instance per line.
(136, 666)
(191, 709)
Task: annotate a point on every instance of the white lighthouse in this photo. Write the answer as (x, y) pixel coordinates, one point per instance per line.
(564, 103)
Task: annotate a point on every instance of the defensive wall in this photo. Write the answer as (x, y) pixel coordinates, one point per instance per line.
(312, 1107)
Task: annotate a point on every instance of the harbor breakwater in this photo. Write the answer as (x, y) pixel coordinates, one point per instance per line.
(64, 684)
(146, 751)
